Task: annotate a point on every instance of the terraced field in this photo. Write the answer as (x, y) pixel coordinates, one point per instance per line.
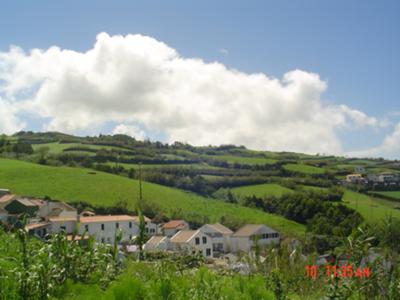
(261, 190)
(303, 168)
(391, 194)
(103, 189)
(371, 209)
(231, 159)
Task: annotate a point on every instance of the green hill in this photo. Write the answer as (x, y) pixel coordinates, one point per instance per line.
(103, 189)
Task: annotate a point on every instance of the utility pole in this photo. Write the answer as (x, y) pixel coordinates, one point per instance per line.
(140, 183)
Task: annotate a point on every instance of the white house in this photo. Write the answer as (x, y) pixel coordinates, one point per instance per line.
(172, 227)
(157, 243)
(355, 178)
(192, 241)
(220, 237)
(104, 228)
(243, 239)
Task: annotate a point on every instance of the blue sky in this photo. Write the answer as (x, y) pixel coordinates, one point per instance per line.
(354, 46)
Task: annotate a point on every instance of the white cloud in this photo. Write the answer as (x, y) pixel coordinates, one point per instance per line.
(9, 122)
(130, 130)
(137, 79)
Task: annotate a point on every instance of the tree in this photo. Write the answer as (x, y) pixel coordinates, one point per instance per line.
(142, 237)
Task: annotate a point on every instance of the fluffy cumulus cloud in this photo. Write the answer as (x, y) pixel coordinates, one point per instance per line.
(136, 79)
(130, 130)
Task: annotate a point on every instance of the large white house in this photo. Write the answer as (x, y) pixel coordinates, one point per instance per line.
(192, 241)
(172, 227)
(104, 228)
(244, 239)
(220, 237)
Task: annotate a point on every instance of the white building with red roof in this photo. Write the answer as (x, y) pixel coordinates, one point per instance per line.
(170, 228)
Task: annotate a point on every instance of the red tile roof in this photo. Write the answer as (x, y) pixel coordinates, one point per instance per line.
(36, 225)
(110, 218)
(6, 198)
(175, 224)
(62, 219)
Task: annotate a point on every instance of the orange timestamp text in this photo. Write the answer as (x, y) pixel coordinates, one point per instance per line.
(345, 271)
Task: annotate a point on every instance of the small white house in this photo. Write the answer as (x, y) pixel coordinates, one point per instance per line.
(220, 237)
(172, 227)
(157, 243)
(192, 241)
(104, 228)
(243, 239)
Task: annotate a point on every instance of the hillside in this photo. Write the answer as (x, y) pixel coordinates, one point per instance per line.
(198, 183)
(102, 189)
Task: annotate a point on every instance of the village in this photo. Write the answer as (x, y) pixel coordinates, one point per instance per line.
(44, 217)
(383, 180)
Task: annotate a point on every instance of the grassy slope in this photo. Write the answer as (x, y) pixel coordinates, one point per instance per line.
(73, 184)
(302, 168)
(243, 160)
(59, 147)
(392, 194)
(261, 190)
(371, 209)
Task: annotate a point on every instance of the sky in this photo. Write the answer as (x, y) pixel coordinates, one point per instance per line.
(305, 76)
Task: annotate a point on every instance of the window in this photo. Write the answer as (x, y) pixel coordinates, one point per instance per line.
(130, 237)
(130, 224)
(102, 226)
(197, 241)
(204, 240)
(152, 230)
(87, 227)
(147, 230)
(117, 225)
(208, 252)
(62, 228)
(103, 240)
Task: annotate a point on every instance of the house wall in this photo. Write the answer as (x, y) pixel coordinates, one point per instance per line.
(170, 232)
(47, 208)
(151, 228)
(245, 244)
(108, 234)
(218, 239)
(191, 245)
(56, 226)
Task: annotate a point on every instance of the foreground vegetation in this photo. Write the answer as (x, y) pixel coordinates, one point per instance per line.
(58, 269)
